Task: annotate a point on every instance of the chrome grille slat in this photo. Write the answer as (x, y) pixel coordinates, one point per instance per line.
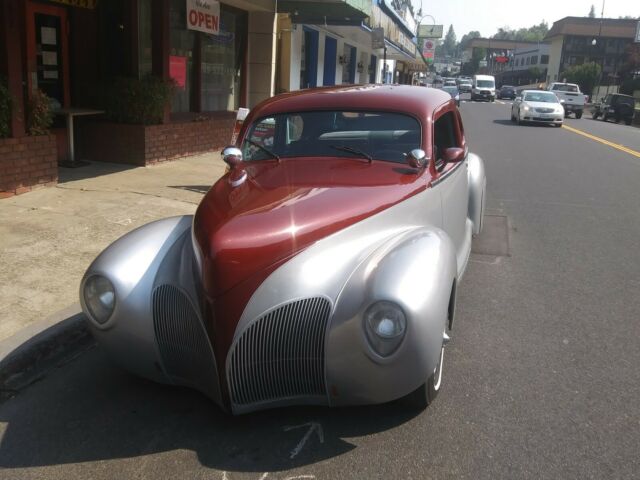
(280, 356)
(182, 340)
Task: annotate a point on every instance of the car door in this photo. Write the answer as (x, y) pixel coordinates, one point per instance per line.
(452, 180)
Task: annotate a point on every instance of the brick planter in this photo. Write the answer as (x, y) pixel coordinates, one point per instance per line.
(27, 163)
(149, 144)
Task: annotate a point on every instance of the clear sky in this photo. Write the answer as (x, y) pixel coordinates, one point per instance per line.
(487, 16)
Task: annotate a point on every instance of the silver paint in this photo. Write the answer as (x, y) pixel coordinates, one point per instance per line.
(477, 191)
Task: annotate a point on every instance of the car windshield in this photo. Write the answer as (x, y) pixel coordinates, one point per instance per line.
(378, 135)
(507, 89)
(485, 83)
(544, 97)
(565, 88)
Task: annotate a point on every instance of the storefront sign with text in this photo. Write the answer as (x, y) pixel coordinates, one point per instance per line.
(203, 16)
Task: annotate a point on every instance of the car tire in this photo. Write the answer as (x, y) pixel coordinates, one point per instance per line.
(594, 115)
(605, 117)
(579, 114)
(425, 394)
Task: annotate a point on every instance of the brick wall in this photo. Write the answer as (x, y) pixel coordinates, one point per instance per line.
(27, 163)
(146, 145)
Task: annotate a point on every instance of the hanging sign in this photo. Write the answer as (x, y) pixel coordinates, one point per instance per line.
(430, 31)
(428, 50)
(203, 16)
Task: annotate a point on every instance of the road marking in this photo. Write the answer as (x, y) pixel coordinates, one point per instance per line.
(617, 146)
(313, 426)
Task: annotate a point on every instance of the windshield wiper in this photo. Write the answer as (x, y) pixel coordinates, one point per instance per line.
(264, 149)
(355, 151)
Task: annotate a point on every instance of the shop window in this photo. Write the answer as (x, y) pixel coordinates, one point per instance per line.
(181, 56)
(222, 58)
(544, 59)
(534, 60)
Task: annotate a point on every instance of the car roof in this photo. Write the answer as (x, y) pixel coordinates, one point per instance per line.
(414, 100)
(622, 95)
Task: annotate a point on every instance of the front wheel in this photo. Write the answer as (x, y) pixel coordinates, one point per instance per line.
(594, 115)
(579, 114)
(426, 393)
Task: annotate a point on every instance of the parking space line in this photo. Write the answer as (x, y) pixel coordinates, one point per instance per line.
(617, 146)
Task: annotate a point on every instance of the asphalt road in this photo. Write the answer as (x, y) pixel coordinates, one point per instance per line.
(541, 379)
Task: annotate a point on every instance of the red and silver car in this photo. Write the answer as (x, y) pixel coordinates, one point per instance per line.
(322, 268)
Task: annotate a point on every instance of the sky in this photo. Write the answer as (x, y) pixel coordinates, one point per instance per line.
(487, 16)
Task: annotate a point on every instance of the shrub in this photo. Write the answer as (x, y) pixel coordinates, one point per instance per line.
(5, 110)
(629, 86)
(39, 114)
(585, 75)
(138, 101)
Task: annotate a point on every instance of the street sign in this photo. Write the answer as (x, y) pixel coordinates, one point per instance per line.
(428, 49)
(483, 63)
(430, 31)
(377, 38)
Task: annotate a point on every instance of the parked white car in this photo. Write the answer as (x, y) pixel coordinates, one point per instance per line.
(570, 96)
(537, 106)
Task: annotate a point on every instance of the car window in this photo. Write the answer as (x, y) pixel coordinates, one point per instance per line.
(619, 100)
(485, 83)
(381, 135)
(565, 88)
(444, 135)
(545, 97)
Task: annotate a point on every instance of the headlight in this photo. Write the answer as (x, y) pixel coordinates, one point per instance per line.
(385, 325)
(100, 298)
(525, 108)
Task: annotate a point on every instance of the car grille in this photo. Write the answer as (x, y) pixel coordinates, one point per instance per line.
(182, 340)
(544, 110)
(280, 356)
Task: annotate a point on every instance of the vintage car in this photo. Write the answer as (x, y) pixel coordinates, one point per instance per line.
(322, 268)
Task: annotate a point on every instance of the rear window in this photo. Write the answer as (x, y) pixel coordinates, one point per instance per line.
(624, 100)
(565, 88)
(381, 135)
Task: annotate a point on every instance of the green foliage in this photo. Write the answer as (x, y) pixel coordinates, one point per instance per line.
(535, 73)
(449, 45)
(592, 12)
(138, 101)
(629, 86)
(5, 109)
(585, 75)
(39, 114)
(535, 33)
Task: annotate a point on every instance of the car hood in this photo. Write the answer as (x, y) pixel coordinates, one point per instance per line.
(285, 206)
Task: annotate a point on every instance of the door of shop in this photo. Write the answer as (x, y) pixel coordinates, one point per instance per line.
(47, 51)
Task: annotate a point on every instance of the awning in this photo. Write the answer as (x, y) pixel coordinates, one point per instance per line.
(396, 53)
(328, 12)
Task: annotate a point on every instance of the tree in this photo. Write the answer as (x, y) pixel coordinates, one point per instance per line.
(535, 33)
(449, 46)
(585, 75)
(592, 12)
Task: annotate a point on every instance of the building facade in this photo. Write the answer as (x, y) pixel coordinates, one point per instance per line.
(578, 40)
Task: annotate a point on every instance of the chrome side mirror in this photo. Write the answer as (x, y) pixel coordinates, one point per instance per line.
(417, 158)
(232, 156)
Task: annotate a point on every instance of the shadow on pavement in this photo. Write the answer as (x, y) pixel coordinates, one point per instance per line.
(501, 121)
(92, 411)
(91, 170)
(192, 188)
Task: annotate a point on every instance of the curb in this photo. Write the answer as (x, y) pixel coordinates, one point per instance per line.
(26, 356)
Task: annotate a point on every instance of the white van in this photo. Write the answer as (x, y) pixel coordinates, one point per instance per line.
(483, 88)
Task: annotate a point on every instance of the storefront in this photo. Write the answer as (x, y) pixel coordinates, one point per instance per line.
(219, 56)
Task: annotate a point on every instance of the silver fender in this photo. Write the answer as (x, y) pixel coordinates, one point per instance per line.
(416, 270)
(477, 191)
(156, 262)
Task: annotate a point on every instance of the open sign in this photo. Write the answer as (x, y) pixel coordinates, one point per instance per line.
(203, 16)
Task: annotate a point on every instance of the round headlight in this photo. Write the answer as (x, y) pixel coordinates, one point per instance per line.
(385, 325)
(99, 297)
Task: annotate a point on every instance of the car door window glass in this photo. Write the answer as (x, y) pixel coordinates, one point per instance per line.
(444, 136)
(262, 135)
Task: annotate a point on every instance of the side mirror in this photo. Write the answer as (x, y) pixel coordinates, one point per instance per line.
(417, 158)
(453, 155)
(232, 156)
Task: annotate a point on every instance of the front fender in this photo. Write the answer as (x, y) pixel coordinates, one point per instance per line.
(477, 191)
(416, 270)
(153, 270)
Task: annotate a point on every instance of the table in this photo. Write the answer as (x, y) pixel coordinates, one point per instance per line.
(70, 113)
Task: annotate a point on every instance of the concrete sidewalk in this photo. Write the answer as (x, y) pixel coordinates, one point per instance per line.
(49, 237)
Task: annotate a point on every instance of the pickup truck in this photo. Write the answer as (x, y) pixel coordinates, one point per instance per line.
(570, 96)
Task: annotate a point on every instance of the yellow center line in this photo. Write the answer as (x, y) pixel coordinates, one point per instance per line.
(617, 146)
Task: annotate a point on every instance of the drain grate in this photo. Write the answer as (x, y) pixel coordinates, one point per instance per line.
(494, 239)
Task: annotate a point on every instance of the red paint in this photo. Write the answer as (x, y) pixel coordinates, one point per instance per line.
(246, 232)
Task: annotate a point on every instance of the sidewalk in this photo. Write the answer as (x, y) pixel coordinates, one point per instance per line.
(49, 237)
